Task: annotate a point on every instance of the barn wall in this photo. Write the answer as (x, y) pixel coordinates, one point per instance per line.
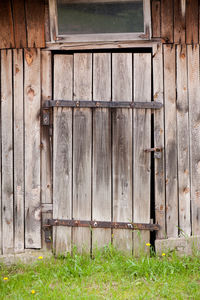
(176, 83)
(26, 191)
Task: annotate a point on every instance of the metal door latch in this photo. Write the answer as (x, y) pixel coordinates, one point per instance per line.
(157, 151)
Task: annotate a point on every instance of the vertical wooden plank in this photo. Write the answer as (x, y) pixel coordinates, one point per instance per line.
(101, 203)
(82, 150)
(156, 20)
(142, 140)
(159, 172)
(179, 23)
(35, 20)
(170, 141)
(183, 142)
(167, 15)
(32, 95)
(46, 139)
(47, 23)
(18, 74)
(62, 152)
(19, 22)
(82, 141)
(122, 149)
(194, 111)
(1, 231)
(192, 21)
(6, 22)
(7, 151)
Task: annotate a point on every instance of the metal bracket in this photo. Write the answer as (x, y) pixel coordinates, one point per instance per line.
(45, 117)
(102, 224)
(102, 104)
(47, 233)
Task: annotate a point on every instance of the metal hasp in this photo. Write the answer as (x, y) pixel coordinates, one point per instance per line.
(157, 151)
(102, 104)
(102, 224)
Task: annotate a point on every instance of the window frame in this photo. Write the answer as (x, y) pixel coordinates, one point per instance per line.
(100, 37)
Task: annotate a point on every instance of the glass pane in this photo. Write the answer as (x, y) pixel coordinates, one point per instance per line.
(82, 17)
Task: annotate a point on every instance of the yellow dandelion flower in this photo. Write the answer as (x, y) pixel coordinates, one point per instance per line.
(33, 292)
(40, 257)
(163, 254)
(5, 278)
(148, 245)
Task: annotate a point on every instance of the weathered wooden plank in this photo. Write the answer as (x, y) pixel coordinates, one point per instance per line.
(192, 22)
(46, 139)
(1, 231)
(194, 111)
(167, 30)
(159, 164)
(19, 23)
(142, 140)
(122, 149)
(183, 142)
(47, 23)
(101, 202)
(35, 20)
(170, 141)
(46, 172)
(18, 114)
(62, 152)
(7, 152)
(32, 97)
(82, 150)
(179, 23)
(156, 20)
(6, 22)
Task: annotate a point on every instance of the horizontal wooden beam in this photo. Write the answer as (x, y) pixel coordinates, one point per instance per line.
(102, 224)
(102, 104)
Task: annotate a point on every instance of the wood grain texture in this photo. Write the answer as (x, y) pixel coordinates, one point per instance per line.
(122, 149)
(142, 140)
(82, 150)
(1, 230)
(167, 32)
(18, 115)
(32, 97)
(156, 18)
(46, 140)
(19, 23)
(159, 140)
(101, 202)
(6, 24)
(192, 28)
(193, 92)
(35, 20)
(46, 94)
(62, 152)
(170, 141)
(183, 142)
(179, 23)
(7, 152)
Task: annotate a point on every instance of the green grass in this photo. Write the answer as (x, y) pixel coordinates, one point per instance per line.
(108, 275)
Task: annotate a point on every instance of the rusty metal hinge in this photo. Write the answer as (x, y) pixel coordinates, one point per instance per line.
(45, 117)
(102, 224)
(47, 233)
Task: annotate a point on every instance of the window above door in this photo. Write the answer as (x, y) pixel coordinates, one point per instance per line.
(99, 20)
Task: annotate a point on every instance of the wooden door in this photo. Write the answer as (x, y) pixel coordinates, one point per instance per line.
(100, 169)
